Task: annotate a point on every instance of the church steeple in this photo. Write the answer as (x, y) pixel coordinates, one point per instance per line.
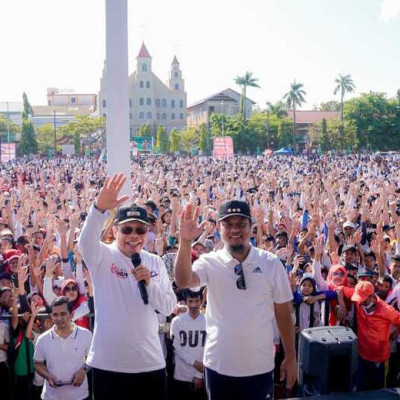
(143, 53)
(175, 61)
(176, 82)
(143, 60)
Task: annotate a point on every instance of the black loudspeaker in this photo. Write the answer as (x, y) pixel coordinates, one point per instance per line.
(328, 358)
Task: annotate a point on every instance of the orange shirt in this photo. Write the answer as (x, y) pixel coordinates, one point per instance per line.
(373, 329)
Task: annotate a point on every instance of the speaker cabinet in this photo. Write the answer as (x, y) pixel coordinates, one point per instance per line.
(328, 358)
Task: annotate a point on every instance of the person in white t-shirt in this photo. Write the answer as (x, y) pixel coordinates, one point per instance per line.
(4, 369)
(246, 289)
(126, 353)
(60, 355)
(188, 332)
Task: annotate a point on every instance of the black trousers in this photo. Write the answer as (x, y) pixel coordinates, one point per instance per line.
(370, 375)
(223, 387)
(5, 381)
(117, 385)
(186, 391)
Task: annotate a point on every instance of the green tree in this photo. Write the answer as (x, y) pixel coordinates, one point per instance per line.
(284, 135)
(331, 105)
(376, 121)
(162, 140)
(325, 145)
(204, 139)
(174, 141)
(279, 109)
(295, 97)
(7, 125)
(244, 82)
(189, 140)
(28, 143)
(344, 84)
(45, 138)
(144, 130)
(85, 129)
(27, 109)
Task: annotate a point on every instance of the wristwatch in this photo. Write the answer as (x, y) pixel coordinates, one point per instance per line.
(98, 209)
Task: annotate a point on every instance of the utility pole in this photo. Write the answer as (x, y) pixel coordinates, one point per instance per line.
(8, 132)
(55, 134)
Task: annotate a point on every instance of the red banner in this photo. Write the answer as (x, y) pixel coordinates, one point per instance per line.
(223, 147)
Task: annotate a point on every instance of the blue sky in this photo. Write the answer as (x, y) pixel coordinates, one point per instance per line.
(60, 43)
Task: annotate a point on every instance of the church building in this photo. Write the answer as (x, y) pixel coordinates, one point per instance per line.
(151, 101)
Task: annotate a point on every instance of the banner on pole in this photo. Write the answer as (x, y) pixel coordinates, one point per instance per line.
(7, 152)
(223, 147)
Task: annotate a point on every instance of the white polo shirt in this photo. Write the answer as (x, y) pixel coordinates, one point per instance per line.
(64, 357)
(240, 322)
(125, 337)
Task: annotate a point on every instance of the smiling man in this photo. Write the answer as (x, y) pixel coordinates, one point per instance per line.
(247, 288)
(126, 353)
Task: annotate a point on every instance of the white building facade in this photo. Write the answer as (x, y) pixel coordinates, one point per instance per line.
(151, 101)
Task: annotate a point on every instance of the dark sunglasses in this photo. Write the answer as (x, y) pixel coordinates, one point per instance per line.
(240, 283)
(71, 289)
(127, 230)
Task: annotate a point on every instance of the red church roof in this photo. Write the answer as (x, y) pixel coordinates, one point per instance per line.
(144, 53)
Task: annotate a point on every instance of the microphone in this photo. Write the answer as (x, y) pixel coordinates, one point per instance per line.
(136, 261)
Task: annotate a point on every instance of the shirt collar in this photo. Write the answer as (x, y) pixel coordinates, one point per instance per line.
(227, 257)
(56, 336)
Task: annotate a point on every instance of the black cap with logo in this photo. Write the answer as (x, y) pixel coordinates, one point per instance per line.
(234, 207)
(131, 212)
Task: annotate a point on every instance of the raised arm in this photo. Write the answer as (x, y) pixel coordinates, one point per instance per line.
(189, 230)
(89, 241)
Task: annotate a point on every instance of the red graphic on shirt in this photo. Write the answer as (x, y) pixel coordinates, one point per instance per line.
(120, 272)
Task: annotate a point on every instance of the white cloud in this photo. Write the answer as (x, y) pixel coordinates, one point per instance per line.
(390, 10)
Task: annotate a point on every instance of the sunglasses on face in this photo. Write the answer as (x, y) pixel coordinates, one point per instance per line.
(127, 230)
(240, 283)
(71, 289)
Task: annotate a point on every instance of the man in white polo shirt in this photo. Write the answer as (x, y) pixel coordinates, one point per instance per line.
(126, 353)
(60, 355)
(247, 288)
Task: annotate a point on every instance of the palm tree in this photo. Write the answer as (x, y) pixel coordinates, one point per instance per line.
(295, 97)
(345, 85)
(245, 81)
(279, 109)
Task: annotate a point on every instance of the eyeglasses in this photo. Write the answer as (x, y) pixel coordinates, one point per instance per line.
(240, 283)
(127, 230)
(341, 274)
(71, 289)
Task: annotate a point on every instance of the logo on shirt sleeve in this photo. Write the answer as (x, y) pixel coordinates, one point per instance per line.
(155, 275)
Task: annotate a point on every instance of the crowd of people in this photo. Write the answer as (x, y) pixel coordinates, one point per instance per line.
(198, 284)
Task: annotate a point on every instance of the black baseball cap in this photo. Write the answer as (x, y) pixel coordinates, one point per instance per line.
(131, 212)
(234, 207)
(5, 275)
